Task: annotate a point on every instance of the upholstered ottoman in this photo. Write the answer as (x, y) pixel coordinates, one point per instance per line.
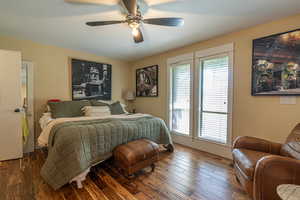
(136, 155)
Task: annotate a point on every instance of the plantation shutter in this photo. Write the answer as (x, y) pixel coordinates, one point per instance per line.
(180, 98)
(214, 104)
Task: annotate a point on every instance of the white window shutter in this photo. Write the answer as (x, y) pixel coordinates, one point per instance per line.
(214, 104)
(180, 98)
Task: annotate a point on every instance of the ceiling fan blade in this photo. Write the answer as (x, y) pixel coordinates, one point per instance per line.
(172, 21)
(103, 2)
(138, 38)
(131, 6)
(103, 23)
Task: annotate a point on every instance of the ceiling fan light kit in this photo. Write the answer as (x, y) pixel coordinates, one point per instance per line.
(135, 32)
(134, 19)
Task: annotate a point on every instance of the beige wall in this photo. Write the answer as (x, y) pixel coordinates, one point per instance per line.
(51, 71)
(262, 117)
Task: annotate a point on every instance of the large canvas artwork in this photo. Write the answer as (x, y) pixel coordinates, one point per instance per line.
(276, 64)
(90, 80)
(147, 82)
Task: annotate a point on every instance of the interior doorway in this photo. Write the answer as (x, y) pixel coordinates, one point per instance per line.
(27, 102)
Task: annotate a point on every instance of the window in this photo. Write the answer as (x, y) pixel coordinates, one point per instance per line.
(213, 106)
(180, 98)
(200, 97)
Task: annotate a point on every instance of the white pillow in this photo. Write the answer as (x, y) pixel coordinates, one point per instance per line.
(124, 108)
(106, 102)
(111, 102)
(96, 111)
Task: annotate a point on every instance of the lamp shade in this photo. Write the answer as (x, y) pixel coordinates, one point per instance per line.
(129, 96)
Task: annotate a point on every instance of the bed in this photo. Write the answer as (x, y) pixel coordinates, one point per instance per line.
(75, 144)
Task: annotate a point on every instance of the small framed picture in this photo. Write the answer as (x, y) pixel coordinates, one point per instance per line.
(147, 81)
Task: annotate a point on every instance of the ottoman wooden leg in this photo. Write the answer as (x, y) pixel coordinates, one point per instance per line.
(152, 167)
(130, 176)
(169, 147)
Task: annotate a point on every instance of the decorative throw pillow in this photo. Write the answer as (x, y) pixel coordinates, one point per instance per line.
(116, 108)
(98, 103)
(96, 111)
(67, 108)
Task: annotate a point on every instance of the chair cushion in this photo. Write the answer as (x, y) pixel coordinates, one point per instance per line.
(246, 160)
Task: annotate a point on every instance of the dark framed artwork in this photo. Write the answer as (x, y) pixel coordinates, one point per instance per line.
(147, 81)
(276, 65)
(90, 80)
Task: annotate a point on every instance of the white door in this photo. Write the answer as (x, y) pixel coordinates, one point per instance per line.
(10, 101)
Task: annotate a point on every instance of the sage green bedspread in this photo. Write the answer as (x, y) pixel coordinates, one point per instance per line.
(75, 146)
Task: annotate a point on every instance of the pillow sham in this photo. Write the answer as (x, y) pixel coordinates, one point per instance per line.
(67, 108)
(96, 111)
(109, 103)
(116, 108)
(99, 103)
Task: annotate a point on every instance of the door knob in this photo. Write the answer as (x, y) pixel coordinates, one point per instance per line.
(17, 110)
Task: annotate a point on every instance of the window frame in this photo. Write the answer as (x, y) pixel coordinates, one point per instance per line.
(227, 49)
(174, 62)
(194, 58)
(198, 96)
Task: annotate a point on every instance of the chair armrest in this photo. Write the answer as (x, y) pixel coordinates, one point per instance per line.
(272, 171)
(257, 144)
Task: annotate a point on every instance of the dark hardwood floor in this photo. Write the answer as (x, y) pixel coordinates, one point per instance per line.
(186, 174)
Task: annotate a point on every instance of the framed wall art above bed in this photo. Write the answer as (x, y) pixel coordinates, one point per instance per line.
(90, 80)
(276, 65)
(147, 81)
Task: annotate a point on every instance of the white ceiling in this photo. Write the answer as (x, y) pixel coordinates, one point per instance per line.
(57, 23)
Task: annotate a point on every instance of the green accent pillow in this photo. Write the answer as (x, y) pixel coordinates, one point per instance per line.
(116, 108)
(98, 103)
(67, 108)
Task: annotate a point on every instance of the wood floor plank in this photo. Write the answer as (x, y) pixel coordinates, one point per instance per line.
(81, 193)
(4, 177)
(118, 188)
(120, 178)
(111, 194)
(69, 193)
(14, 180)
(143, 196)
(27, 189)
(93, 190)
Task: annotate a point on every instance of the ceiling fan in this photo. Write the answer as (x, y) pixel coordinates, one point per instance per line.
(134, 18)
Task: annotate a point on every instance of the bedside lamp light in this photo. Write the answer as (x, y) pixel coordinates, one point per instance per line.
(130, 97)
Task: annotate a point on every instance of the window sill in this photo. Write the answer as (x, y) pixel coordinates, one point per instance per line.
(180, 134)
(213, 142)
(203, 145)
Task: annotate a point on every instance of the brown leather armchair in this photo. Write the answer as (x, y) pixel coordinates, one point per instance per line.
(260, 165)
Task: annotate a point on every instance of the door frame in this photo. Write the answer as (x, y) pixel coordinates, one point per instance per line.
(29, 146)
(220, 149)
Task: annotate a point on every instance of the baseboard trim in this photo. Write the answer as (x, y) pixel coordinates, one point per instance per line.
(217, 149)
